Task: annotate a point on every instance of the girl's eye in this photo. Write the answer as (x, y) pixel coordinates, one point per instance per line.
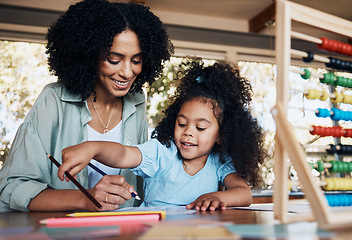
(181, 124)
(200, 129)
(113, 62)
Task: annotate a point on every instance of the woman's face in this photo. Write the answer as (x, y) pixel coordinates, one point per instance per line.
(121, 67)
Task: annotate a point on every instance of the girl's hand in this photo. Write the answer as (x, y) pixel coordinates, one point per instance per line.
(75, 158)
(111, 191)
(207, 201)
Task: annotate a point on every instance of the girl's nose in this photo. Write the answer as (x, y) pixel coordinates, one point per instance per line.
(188, 132)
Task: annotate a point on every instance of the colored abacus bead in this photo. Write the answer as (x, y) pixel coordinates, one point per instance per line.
(339, 200)
(309, 58)
(337, 131)
(329, 78)
(315, 130)
(320, 167)
(344, 167)
(313, 94)
(335, 114)
(341, 81)
(324, 95)
(348, 133)
(329, 185)
(337, 99)
(324, 43)
(323, 113)
(338, 184)
(306, 74)
(347, 99)
(334, 167)
(332, 149)
(348, 82)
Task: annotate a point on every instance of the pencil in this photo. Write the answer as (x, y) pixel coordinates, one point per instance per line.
(97, 169)
(123, 213)
(99, 220)
(88, 195)
(135, 195)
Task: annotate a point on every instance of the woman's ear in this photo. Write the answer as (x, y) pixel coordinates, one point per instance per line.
(218, 139)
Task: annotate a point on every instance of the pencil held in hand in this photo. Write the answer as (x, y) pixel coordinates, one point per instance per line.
(85, 192)
(133, 193)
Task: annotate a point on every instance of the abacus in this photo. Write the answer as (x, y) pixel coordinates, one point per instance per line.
(286, 145)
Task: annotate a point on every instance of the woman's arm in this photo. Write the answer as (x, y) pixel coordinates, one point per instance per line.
(77, 157)
(110, 192)
(237, 193)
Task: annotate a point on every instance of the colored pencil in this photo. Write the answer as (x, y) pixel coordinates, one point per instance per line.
(122, 213)
(135, 195)
(84, 191)
(97, 169)
(99, 220)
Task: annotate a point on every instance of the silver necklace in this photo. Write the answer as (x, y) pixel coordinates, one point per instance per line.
(106, 130)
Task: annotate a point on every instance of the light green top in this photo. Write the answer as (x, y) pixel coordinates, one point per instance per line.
(58, 119)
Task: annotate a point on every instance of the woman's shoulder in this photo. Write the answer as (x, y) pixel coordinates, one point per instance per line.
(58, 90)
(51, 98)
(135, 98)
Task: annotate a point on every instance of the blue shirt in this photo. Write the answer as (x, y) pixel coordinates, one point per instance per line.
(166, 182)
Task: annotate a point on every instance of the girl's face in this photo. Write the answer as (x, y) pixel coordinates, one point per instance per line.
(196, 130)
(122, 66)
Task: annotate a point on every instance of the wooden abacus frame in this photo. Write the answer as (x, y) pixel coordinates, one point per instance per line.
(286, 143)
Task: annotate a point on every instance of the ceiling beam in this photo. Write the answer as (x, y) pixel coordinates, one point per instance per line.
(260, 21)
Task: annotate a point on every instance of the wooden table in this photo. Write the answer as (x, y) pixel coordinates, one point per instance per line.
(23, 220)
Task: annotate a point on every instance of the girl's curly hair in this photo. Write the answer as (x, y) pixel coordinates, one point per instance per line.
(84, 34)
(221, 85)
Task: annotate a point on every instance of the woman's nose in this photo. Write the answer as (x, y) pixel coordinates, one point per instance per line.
(126, 71)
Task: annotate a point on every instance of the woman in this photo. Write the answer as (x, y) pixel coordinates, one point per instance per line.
(102, 54)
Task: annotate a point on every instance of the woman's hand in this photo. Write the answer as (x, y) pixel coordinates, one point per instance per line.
(111, 191)
(207, 201)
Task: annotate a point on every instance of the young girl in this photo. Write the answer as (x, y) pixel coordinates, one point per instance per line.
(207, 137)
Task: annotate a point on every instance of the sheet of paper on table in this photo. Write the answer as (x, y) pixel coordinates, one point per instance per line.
(170, 210)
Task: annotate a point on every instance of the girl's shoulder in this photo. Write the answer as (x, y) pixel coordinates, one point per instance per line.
(154, 145)
(214, 159)
(155, 150)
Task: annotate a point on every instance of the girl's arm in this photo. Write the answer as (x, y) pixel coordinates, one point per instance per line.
(237, 194)
(112, 154)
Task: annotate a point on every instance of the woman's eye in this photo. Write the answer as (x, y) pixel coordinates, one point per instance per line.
(137, 61)
(113, 62)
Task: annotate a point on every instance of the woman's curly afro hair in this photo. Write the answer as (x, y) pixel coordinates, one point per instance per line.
(84, 35)
(229, 94)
